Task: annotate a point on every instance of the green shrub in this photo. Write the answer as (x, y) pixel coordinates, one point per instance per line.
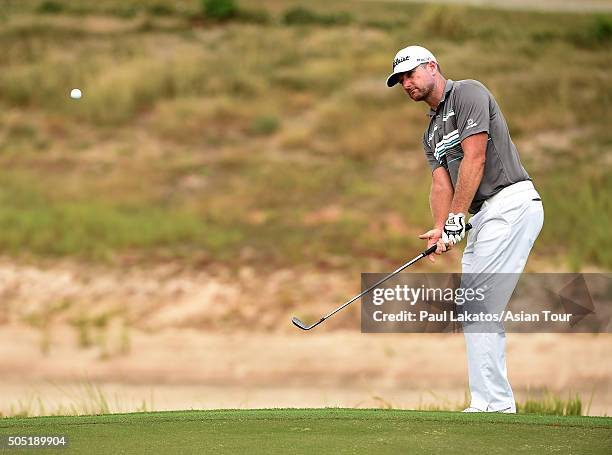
(50, 7)
(255, 16)
(160, 9)
(303, 16)
(220, 9)
(123, 11)
(601, 29)
(265, 125)
(598, 32)
(299, 16)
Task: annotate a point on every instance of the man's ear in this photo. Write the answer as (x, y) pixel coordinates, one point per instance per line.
(433, 67)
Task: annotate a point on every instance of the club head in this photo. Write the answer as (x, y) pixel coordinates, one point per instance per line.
(299, 324)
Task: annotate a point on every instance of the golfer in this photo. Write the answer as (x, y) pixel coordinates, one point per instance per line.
(476, 169)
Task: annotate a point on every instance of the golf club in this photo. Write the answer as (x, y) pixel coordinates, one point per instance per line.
(298, 323)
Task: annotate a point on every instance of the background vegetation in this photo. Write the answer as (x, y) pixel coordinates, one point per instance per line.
(263, 131)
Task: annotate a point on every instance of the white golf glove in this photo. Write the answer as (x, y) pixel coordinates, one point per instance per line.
(454, 228)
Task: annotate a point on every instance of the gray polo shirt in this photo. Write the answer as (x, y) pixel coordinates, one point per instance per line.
(467, 108)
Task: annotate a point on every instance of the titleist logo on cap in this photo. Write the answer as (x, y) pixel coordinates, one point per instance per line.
(397, 61)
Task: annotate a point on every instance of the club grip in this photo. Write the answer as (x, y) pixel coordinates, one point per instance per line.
(432, 248)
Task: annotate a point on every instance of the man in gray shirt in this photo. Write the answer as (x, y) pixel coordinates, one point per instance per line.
(476, 168)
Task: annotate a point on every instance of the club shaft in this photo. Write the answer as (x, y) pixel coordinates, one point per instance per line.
(392, 274)
(427, 252)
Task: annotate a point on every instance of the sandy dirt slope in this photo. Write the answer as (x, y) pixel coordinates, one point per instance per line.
(175, 338)
(192, 368)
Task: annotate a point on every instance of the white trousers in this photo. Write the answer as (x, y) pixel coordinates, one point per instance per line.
(500, 240)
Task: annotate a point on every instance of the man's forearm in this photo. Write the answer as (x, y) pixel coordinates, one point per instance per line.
(470, 172)
(440, 199)
(468, 181)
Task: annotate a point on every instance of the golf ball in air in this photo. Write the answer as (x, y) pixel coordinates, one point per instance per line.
(75, 94)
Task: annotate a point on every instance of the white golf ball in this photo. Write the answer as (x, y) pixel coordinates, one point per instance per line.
(75, 94)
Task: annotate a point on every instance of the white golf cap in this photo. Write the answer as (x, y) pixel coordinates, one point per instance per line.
(407, 59)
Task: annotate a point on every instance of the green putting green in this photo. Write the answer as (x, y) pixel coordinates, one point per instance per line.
(320, 431)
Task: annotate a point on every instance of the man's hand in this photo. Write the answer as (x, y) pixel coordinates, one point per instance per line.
(454, 228)
(434, 236)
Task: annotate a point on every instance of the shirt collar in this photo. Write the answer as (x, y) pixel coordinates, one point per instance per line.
(447, 88)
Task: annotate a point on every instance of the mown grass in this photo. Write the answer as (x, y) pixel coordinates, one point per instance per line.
(197, 136)
(321, 430)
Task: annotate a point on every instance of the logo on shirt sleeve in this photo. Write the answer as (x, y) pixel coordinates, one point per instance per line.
(471, 124)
